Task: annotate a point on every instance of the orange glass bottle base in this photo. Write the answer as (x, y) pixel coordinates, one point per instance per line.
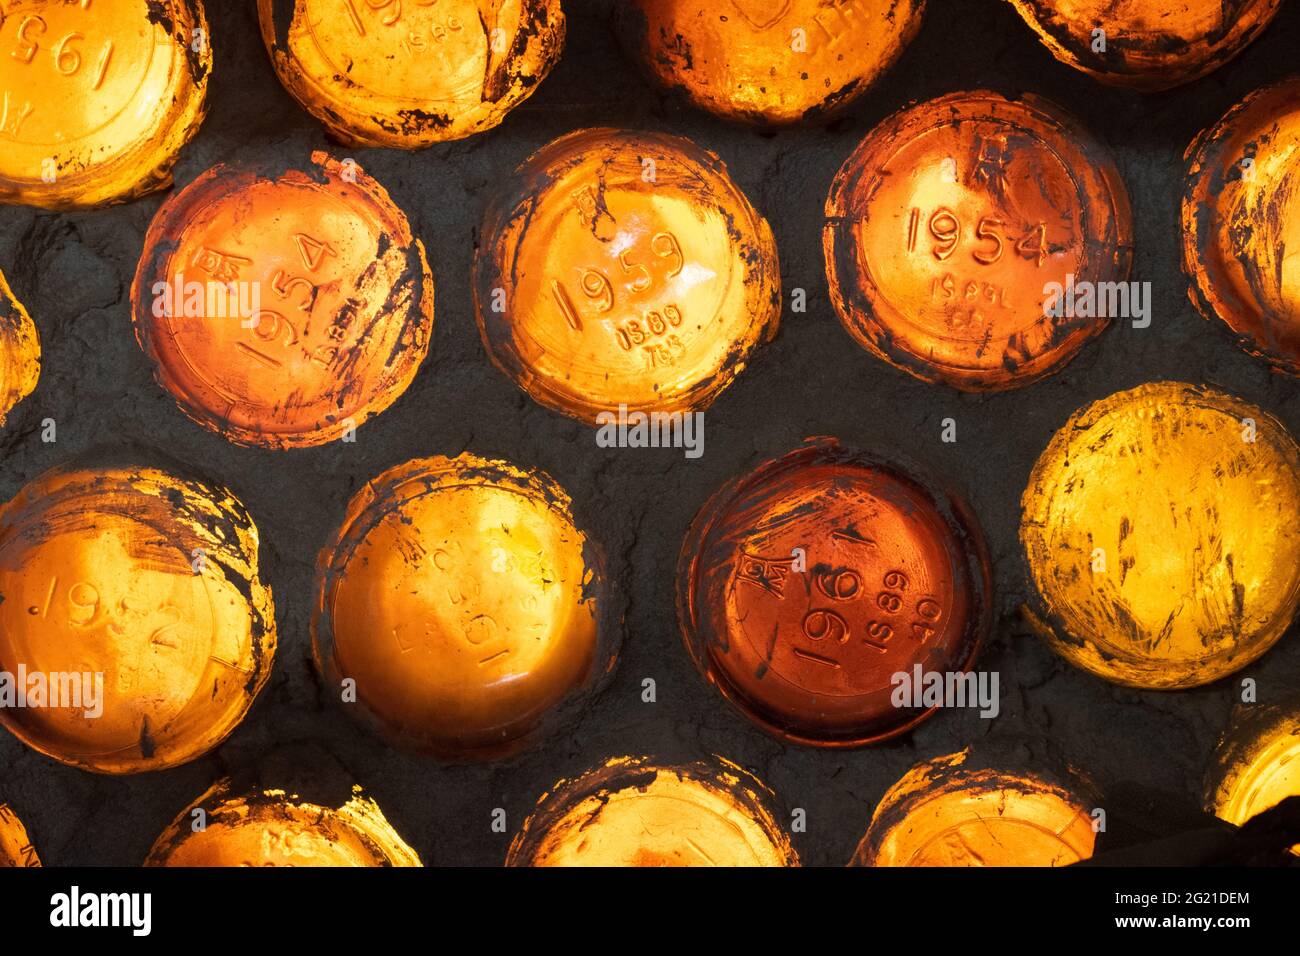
(1146, 44)
(1236, 232)
(134, 626)
(97, 97)
(620, 268)
(806, 585)
(275, 828)
(283, 306)
(463, 605)
(957, 231)
(769, 64)
(633, 812)
(411, 74)
(944, 812)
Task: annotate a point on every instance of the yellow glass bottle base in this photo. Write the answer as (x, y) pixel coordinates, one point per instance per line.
(1160, 530)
